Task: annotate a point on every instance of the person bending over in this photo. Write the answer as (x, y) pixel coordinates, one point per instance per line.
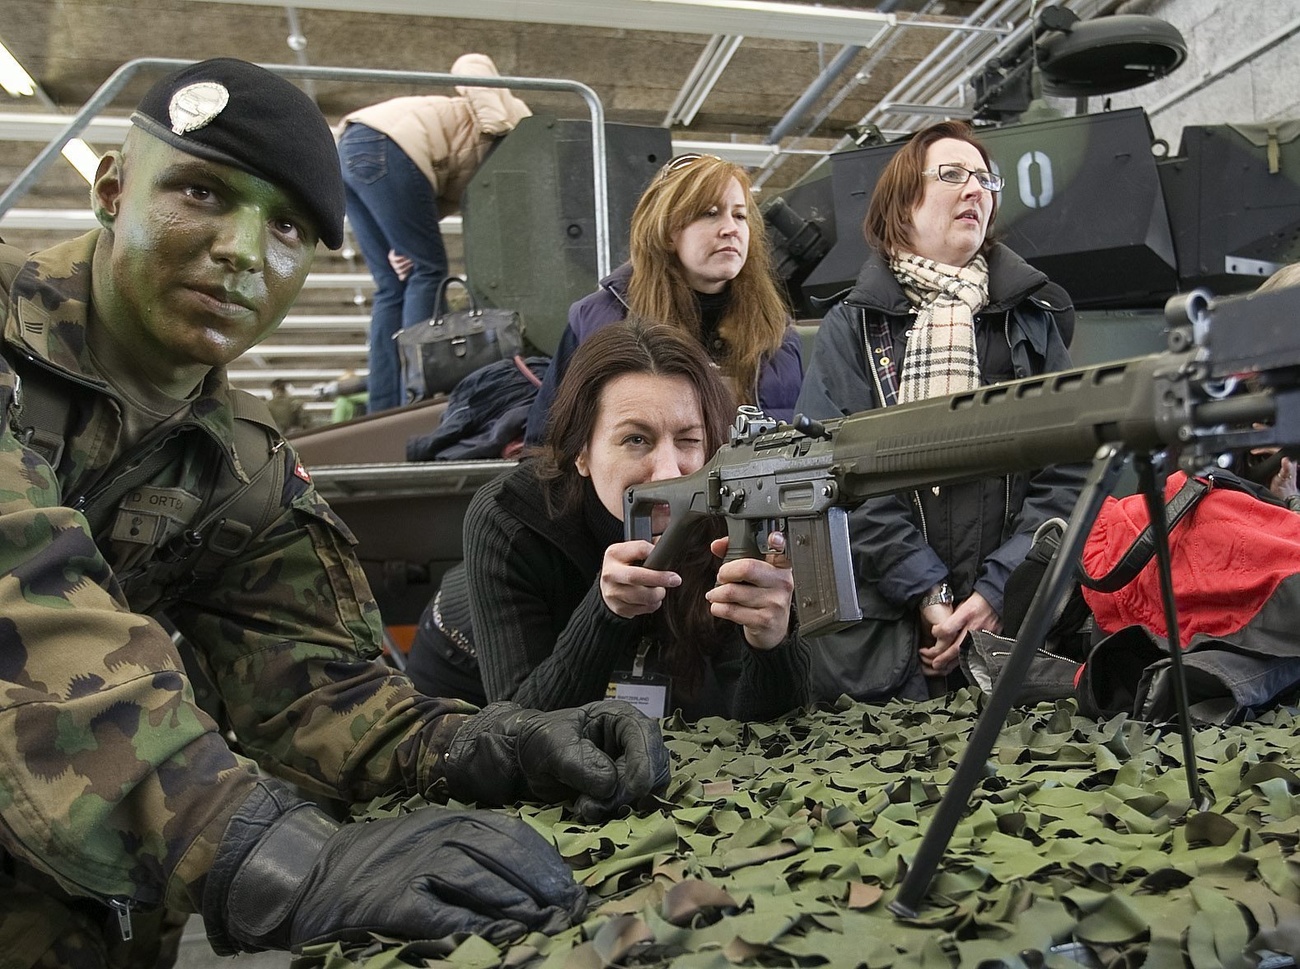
(406, 162)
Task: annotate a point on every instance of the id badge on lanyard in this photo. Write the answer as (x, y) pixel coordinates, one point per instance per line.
(648, 692)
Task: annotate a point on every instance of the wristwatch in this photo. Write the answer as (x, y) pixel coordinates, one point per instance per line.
(941, 597)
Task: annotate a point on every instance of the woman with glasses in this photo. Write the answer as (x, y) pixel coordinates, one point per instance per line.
(699, 262)
(938, 308)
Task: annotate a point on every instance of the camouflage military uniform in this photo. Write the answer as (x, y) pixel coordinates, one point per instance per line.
(113, 783)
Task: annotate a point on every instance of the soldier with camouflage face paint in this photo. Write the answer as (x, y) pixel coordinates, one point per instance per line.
(135, 482)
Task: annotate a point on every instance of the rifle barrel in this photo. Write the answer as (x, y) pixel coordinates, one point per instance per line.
(1057, 418)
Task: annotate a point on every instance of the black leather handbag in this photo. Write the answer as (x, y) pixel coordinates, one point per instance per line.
(438, 354)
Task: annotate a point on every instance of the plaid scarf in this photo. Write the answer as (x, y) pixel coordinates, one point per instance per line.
(941, 357)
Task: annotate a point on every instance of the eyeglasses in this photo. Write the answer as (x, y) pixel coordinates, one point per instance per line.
(678, 162)
(959, 175)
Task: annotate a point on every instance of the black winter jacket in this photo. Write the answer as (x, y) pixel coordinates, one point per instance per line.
(971, 534)
(545, 637)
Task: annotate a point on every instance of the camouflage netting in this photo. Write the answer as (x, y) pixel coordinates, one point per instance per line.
(782, 845)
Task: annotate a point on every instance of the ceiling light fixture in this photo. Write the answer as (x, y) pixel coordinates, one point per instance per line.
(708, 68)
(930, 110)
(83, 158)
(13, 78)
(752, 18)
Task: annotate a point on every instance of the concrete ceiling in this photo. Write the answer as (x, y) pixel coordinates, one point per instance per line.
(72, 46)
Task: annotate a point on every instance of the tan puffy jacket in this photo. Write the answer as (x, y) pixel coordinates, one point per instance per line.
(448, 137)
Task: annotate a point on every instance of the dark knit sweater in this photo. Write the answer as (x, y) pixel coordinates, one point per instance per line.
(545, 637)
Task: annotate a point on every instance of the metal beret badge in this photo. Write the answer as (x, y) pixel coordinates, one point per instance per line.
(196, 105)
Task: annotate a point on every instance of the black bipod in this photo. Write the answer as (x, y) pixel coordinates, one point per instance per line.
(1047, 601)
(1151, 482)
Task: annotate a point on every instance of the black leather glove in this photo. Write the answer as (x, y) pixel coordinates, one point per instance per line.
(286, 875)
(602, 756)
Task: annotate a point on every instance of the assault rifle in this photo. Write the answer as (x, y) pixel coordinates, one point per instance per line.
(803, 478)
(1230, 379)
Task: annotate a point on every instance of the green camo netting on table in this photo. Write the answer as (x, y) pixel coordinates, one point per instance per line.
(782, 844)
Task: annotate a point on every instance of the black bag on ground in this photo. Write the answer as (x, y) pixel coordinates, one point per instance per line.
(437, 354)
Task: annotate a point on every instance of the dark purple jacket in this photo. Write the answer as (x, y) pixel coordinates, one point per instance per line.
(779, 378)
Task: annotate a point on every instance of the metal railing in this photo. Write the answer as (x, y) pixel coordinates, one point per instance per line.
(118, 79)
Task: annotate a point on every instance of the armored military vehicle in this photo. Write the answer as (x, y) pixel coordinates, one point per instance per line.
(1119, 218)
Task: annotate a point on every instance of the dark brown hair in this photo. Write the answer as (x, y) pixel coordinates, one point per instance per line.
(756, 316)
(901, 185)
(631, 347)
(685, 627)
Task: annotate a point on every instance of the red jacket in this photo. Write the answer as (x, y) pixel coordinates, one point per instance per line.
(1228, 557)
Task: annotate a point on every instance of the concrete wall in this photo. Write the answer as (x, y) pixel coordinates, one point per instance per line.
(1260, 37)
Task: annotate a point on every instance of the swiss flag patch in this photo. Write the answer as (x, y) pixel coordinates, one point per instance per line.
(301, 472)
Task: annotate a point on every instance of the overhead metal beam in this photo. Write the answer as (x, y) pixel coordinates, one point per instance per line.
(713, 60)
(325, 322)
(753, 18)
(748, 154)
(264, 375)
(813, 92)
(39, 126)
(929, 110)
(305, 350)
(337, 280)
(52, 220)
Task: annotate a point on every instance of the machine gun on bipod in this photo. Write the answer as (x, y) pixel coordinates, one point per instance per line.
(1230, 379)
(1232, 385)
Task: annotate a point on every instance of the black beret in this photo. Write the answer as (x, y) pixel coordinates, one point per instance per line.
(230, 111)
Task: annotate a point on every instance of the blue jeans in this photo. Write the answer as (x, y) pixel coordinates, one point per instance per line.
(391, 205)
